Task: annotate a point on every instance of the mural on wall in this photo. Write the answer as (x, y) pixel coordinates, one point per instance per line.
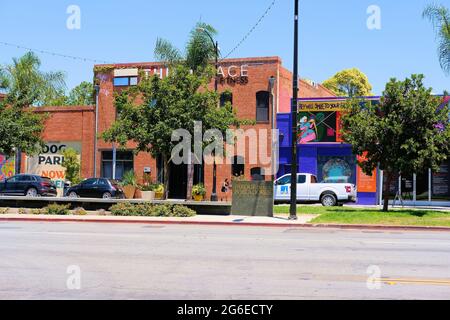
(316, 127)
(7, 167)
(336, 169)
(49, 162)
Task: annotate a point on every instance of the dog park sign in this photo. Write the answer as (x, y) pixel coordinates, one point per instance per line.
(49, 162)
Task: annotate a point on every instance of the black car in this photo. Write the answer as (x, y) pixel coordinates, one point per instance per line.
(96, 188)
(28, 185)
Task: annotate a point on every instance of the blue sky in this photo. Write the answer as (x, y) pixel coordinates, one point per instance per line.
(333, 34)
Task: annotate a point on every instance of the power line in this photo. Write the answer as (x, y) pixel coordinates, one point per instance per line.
(251, 30)
(55, 53)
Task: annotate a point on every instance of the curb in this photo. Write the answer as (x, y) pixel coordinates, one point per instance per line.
(235, 224)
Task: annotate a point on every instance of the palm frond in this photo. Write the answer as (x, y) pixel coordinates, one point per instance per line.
(166, 52)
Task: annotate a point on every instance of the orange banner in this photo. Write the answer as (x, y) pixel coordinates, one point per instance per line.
(364, 182)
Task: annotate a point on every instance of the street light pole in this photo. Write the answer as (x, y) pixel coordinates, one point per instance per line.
(293, 206)
(214, 197)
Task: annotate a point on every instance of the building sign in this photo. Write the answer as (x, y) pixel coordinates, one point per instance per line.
(49, 162)
(233, 75)
(252, 198)
(315, 106)
(7, 167)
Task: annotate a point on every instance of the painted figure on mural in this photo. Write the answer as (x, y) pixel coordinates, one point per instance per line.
(308, 130)
(7, 166)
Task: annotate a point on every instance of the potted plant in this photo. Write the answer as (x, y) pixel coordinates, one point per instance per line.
(198, 192)
(159, 191)
(148, 192)
(129, 184)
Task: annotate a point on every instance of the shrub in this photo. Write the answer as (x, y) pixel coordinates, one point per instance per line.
(23, 211)
(57, 209)
(79, 212)
(149, 210)
(163, 210)
(4, 210)
(182, 211)
(123, 209)
(38, 211)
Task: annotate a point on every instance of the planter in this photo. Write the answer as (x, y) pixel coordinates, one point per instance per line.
(198, 197)
(148, 195)
(129, 191)
(138, 194)
(159, 195)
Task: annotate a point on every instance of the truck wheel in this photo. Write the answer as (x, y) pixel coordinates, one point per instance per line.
(329, 200)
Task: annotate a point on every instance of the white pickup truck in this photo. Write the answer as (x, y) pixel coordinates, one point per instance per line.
(309, 190)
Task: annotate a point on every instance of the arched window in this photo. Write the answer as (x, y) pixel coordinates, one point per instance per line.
(262, 106)
(225, 97)
(257, 174)
(238, 166)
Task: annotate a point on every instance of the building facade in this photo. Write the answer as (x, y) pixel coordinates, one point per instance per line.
(258, 89)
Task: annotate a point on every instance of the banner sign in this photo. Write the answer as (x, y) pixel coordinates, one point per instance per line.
(49, 162)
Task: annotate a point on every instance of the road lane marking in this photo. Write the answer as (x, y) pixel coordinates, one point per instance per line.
(433, 282)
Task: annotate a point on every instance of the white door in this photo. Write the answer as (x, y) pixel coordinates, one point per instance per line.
(283, 188)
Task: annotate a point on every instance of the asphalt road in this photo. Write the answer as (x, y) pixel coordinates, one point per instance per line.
(126, 261)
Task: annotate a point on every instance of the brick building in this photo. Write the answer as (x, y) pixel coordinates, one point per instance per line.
(260, 87)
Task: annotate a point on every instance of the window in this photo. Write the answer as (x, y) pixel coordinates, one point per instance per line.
(226, 97)
(124, 163)
(313, 179)
(257, 174)
(262, 106)
(90, 182)
(285, 180)
(301, 179)
(238, 166)
(24, 178)
(125, 81)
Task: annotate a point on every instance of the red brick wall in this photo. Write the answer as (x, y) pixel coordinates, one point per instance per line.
(71, 124)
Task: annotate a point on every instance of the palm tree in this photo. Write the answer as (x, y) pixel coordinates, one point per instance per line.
(26, 85)
(440, 18)
(199, 52)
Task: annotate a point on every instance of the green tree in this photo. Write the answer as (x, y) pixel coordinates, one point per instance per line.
(349, 83)
(72, 165)
(25, 85)
(406, 133)
(82, 95)
(440, 17)
(150, 112)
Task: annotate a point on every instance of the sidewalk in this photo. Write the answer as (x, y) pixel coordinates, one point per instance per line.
(199, 219)
(233, 221)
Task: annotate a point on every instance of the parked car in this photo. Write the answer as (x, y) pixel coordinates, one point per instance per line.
(309, 190)
(28, 185)
(96, 188)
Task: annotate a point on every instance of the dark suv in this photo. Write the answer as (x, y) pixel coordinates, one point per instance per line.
(96, 188)
(28, 185)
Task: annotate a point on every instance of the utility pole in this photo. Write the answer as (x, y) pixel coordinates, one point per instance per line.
(293, 207)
